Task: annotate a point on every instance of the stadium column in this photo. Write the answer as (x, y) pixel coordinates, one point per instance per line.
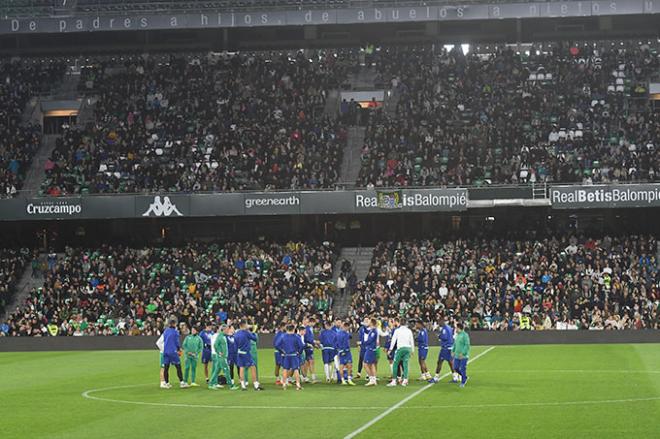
(225, 38)
(431, 28)
(311, 32)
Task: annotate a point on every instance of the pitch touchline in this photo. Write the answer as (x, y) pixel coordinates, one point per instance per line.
(406, 399)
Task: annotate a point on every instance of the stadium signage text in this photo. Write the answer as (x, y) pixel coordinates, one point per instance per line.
(448, 199)
(113, 22)
(276, 201)
(54, 208)
(605, 196)
(228, 204)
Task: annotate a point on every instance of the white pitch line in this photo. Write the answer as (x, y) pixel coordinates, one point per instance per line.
(534, 404)
(406, 399)
(536, 371)
(88, 394)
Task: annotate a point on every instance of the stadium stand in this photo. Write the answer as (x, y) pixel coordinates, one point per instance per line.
(12, 264)
(19, 81)
(158, 127)
(565, 113)
(558, 282)
(495, 284)
(126, 291)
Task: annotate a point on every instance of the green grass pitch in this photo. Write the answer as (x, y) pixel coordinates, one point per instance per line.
(541, 391)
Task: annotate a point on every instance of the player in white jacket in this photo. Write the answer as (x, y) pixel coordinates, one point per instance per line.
(404, 341)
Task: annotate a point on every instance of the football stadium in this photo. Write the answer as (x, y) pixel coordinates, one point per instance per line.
(329, 219)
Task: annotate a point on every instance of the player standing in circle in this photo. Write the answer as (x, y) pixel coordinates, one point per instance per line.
(290, 345)
(328, 353)
(243, 339)
(461, 351)
(206, 335)
(446, 337)
(422, 349)
(369, 344)
(402, 345)
(171, 351)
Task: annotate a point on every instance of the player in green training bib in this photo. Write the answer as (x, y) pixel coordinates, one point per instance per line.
(220, 353)
(461, 351)
(192, 347)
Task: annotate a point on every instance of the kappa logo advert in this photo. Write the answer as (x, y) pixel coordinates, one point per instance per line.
(162, 208)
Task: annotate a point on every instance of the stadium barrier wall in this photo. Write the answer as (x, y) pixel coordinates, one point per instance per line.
(324, 202)
(483, 338)
(127, 20)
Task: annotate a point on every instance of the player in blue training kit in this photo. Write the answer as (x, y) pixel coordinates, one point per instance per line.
(327, 341)
(233, 354)
(171, 350)
(206, 335)
(244, 360)
(337, 328)
(364, 327)
(369, 344)
(278, 355)
(422, 349)
(446, 337)
(343, 346)
(290, 345)
(309, 350)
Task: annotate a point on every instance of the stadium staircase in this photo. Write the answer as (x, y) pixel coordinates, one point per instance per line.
(67, 89)
(37, 172)
(25, 285)
(363, 79)
(350, 162)
(391, 102)
(331, 108)
(360, 259)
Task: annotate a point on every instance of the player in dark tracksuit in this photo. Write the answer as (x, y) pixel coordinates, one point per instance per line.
(363, 329)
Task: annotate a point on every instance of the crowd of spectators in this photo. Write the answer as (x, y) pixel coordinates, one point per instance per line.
(19, 81)
(204, 122)
(558, 282)
(12, 264)
(552, 113)
(527, 283)
(114, 290)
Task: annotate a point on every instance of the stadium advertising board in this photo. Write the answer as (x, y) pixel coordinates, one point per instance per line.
(54, 208)
(605, 196)
(211, 19)
(232, 204)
